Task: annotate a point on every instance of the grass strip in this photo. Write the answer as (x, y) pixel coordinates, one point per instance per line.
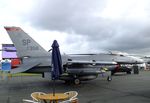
(20, 74)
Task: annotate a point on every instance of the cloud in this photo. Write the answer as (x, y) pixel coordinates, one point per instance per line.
(96, 25)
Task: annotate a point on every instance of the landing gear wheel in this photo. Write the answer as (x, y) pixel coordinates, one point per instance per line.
(76, 81)
(109, 78)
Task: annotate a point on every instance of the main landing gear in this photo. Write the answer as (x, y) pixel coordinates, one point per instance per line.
(77, 81)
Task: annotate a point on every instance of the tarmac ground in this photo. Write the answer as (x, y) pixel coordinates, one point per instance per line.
(122, 89)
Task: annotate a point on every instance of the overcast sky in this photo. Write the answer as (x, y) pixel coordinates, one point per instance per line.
(81, 26)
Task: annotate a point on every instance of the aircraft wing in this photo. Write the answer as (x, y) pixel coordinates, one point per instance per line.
(24, 67)
(91, 62)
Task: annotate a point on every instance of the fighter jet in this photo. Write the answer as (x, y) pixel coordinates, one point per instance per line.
(35, 59)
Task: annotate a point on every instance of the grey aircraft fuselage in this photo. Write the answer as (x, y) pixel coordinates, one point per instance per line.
(46, 60)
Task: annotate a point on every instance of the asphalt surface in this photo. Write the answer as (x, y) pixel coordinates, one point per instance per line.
(122, 89)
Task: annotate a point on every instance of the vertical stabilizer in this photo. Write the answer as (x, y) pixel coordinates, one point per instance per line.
(25, 45)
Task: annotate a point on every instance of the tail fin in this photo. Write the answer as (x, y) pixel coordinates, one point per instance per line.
(25, 45)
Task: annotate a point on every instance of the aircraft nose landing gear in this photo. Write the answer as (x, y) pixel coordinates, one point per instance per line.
(109, 78)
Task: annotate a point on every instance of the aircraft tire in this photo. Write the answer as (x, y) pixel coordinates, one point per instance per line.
(109, 78)
(77, 81)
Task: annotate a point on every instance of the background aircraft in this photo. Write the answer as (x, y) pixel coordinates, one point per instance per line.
(35, 59)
